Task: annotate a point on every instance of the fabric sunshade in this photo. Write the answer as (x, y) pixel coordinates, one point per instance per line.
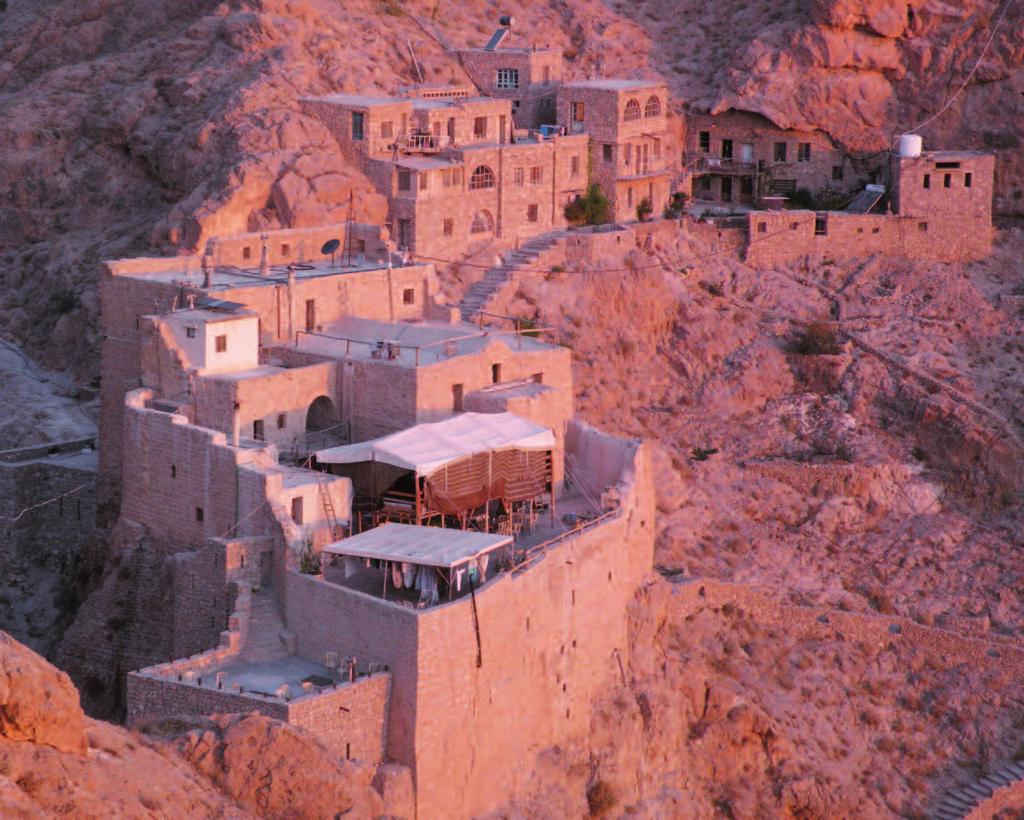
(427, 448)
(424, 546)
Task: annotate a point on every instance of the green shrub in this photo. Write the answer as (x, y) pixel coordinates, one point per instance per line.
(644, 209)
(309, 561)
(593, 208)
(816, 339)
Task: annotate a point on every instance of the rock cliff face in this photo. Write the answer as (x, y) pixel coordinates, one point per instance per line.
(132, 126)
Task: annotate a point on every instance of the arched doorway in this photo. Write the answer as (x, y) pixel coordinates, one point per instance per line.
(322, 415)
(483, 222)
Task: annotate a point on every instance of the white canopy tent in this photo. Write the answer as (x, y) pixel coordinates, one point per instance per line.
(423, 546)
(426, 448)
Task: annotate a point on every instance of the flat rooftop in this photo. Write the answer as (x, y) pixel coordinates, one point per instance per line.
(230, 277)
(942, 156)
(614, 84)
(356, 100)
(356, 338)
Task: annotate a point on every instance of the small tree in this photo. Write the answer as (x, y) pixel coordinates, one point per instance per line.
(593, 208)
(644, 209)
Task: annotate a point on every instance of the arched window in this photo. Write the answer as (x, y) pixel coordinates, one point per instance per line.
(632, 111)
(483, 222)
(483, 177)
(653, 107)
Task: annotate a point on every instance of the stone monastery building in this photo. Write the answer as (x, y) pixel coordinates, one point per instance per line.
(465, 167)
(385, 526)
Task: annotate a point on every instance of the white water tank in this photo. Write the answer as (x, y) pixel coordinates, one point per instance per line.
(910, 145)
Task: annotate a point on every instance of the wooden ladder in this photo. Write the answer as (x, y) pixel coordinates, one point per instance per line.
(325, 497)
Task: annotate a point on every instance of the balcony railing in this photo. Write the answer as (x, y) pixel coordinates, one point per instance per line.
(423, 143)
(704, 164)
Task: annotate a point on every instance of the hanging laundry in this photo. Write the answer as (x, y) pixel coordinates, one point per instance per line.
(396, 575)
(458, 578)
(409, 574)
(352, 566)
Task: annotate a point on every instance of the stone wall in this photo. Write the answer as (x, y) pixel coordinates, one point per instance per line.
(948, 192)
(348, 719)
(779, 237)
(451, 719)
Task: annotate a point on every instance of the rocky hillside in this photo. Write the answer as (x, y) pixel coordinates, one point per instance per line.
(131, 126)
(56, 761)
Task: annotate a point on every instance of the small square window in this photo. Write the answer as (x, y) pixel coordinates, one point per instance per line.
(480, 127)
(286, 249)
(386, 129)
(247, 252)
(199, 514)
(793, 226)
(282, 420)
(190, 332)
(409, 296)
(449, 226)
(837, 172)
(875, 230)
(820, 226)
(762, 227)
(607, 153)
(968, 179)
(221, 343)
(922, 226)
(532, 212)
(507, 78)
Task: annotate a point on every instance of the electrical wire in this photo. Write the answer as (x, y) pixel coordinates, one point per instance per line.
(13, 518)
(970, 76)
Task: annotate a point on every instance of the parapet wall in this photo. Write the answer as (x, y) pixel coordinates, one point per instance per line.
(778, 237)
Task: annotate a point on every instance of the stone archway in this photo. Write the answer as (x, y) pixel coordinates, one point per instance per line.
(322, 415)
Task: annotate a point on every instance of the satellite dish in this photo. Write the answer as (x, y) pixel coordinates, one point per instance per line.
(330, 246)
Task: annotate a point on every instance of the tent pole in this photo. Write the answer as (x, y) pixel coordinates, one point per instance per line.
(387, 569)
(551, 481)
(419, 514)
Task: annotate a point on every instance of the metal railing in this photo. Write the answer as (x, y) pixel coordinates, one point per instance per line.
(424, 143)
(703, 164)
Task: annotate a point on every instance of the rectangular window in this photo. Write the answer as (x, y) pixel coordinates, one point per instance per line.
(947, 164)
(837, 172)
(628, 154)
(457, 398)
(409, 296)
(537, 175)
(456, 176)
(726, 149)
(174, 474)
(247, 252)
(358, 119)
(821, 226)
(258, 432)
(747, 186)
(297, 509)
(657, 149)
(803, 152)
(310, 314)
(577, 112)
(607, 153)
(495, 373)
(923, 227)
(537, 378)
(531, 213)
(199, 514)
(282, 420)
(480, 127)
(574, 167)
(518, 177)
(629, 197)
(423, 180)
(705, 183)
(190, 332)
(286, 249)
(762, 227)
(449, 226)
(927, 182)
(387, 129)
(968, 179)
(705, 142)
(507, 78)
(404, 181)
(221, 343)
(947, 180)
(779, 152)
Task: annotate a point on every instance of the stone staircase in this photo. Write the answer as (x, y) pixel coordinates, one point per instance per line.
(961, 802)
(267, 639)
(530, 255)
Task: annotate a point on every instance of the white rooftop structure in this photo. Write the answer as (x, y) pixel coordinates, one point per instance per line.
(427, 448)
(423, 546)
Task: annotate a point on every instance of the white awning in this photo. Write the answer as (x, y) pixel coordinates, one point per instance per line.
(424, 546)
(426, 448)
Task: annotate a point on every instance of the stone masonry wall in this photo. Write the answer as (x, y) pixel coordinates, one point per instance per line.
(779, 237)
